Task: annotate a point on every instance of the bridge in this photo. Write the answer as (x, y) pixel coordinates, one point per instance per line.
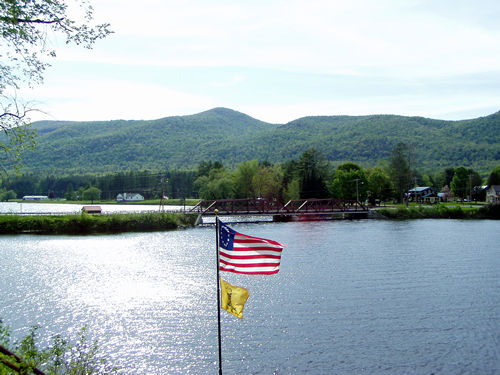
(301, 209)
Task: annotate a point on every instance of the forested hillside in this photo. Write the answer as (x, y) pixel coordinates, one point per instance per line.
(232, 137)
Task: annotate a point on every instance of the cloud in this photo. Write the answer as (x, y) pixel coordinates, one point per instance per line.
(281, 59)
(411, 37)
(111, 100)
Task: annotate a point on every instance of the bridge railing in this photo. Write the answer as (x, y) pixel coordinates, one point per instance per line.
(264, 206)
(323, 205)
(237, 206)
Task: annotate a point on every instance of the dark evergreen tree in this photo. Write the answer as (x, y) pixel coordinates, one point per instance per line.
(399, 170)
(494, 177)
(448, 173)
(460, 183)
(312, 171)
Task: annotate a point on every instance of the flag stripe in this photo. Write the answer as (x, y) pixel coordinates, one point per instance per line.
(253, 264)
(256, 243)
(237, 256)
(251, 252)
(250, 261)
(252, 271)
(256, 240)
(260, 272)
(236, 247)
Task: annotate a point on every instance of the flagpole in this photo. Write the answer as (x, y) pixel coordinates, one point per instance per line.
(218, 289)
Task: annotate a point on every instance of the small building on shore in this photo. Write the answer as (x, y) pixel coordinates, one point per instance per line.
(493, 194)
(445, 195)
(129, 197)
(423, 194)
(92, 209)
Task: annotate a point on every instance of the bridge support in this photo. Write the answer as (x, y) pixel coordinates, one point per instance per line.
(199, 220)
(308, 216)
(355, 215)
(282, 218)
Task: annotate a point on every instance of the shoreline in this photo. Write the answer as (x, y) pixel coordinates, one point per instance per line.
(491, 211)
(78, 224)
(84, 223)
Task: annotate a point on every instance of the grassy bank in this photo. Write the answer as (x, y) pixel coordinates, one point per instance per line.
(86, 224)
(441, 212)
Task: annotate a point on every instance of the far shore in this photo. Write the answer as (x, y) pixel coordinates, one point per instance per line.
(439, 211)
(152, 202)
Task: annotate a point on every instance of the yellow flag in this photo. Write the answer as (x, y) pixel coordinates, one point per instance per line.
(233, 298)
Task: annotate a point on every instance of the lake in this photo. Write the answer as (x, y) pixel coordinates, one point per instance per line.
(373, 297)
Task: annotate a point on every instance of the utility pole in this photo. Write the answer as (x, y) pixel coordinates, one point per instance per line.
(409, 162)
(162, 202)
(470, 187)
(357, 190)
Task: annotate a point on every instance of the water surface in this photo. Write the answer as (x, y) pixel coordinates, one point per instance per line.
(26, 208)
(374, 297)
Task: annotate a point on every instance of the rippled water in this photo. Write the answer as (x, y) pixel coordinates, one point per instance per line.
(374, 297)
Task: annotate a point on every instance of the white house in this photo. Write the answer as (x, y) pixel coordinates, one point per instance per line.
(129, 197)
(493, 194)
(35, 197)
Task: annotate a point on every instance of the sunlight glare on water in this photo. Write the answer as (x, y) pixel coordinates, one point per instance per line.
(128, 287)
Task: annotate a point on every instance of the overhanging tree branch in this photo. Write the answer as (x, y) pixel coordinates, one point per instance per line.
(15, 21)
(17, 116)
(25, 26)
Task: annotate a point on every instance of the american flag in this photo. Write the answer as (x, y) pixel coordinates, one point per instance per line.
(240, 253)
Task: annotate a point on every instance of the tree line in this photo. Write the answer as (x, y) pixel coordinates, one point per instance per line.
(152, 185)
(310, 176)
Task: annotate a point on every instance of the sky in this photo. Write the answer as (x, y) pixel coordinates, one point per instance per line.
(280, 60)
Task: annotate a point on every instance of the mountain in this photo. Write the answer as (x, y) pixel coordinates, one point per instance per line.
(232, 137)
